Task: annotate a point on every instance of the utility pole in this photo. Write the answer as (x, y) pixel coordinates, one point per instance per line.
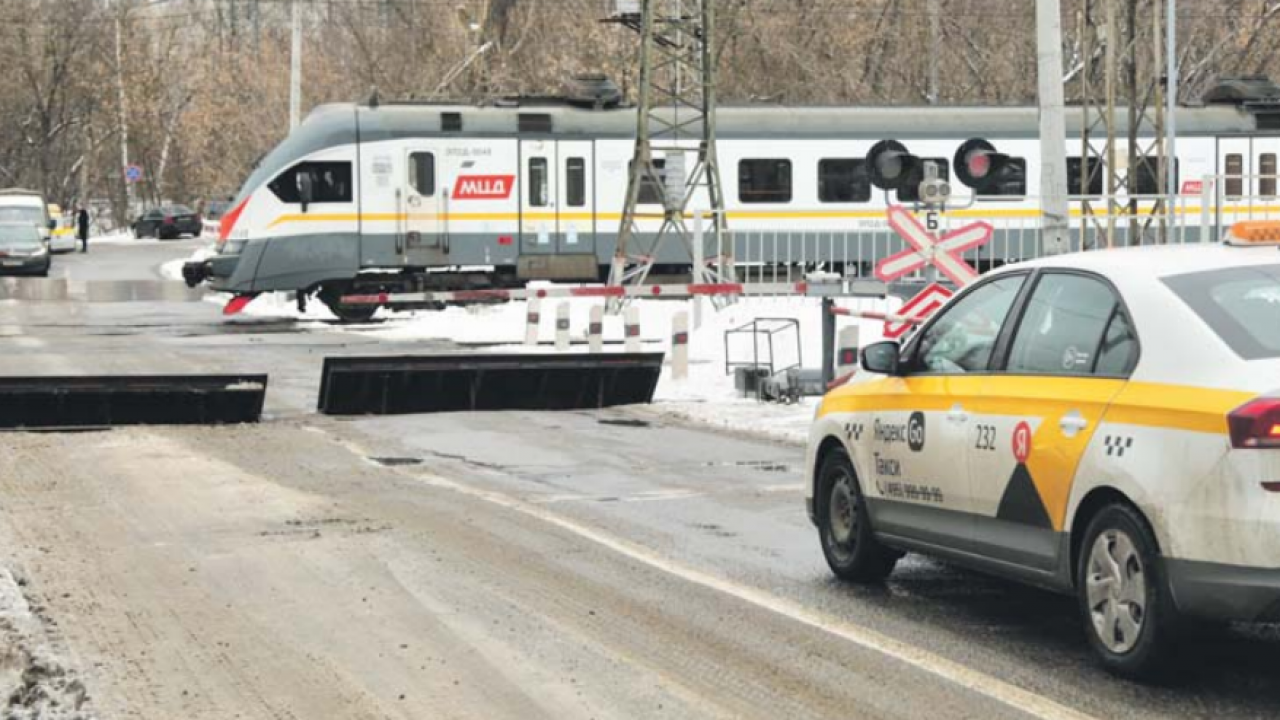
(121, 102)
(1134, 63)
(677, 108)
(295, 66)
(1055, 234)
(1171, 100)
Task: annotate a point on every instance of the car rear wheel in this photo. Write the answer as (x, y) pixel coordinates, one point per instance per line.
(844, 526)
(1124, 601)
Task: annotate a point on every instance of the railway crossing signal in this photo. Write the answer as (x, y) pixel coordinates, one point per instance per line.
(943, 252)
(916, 310)
(979, 165)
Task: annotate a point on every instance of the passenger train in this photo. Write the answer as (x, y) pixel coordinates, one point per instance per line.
(411, 196)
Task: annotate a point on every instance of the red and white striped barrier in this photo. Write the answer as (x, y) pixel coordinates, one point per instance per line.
(572, 291)
(872, 315)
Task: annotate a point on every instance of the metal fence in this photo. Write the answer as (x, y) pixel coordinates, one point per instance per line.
(1202, 213)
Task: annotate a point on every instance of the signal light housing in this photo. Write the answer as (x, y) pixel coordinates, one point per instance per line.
(1256, 424)
(978, 164)
(891, 165)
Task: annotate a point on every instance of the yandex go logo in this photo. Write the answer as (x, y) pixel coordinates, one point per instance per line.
(483, 187)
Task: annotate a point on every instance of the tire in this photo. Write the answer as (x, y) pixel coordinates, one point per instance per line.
(1131, 629)
(844, 526)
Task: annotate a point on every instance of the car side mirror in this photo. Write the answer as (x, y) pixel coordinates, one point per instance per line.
(53, 224)
(306, 191)
(882, 358)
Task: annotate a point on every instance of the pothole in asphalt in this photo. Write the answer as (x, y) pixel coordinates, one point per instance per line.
(396, 461)
(625, 422)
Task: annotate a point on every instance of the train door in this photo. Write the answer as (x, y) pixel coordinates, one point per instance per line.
(539, 228)
(576, 211)
(424, 237)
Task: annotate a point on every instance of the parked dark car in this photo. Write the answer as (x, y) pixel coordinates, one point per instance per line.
(23, 251)
(168, 222)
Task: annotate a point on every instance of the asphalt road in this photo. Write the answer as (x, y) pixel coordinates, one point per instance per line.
(492, 565)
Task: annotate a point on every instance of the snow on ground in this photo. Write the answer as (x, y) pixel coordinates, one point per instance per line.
(707, 396)
(35, 680)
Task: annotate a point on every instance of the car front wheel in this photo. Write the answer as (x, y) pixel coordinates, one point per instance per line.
(1128, 614)
(844, 525)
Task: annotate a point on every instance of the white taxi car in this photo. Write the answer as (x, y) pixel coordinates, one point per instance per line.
(1104, 423)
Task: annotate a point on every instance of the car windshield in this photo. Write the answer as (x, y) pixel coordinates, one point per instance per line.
(177, 210)
(22, 214)
(18, 236)
(1242, 305)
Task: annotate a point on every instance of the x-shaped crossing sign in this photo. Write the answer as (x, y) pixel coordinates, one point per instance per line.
(943, 253)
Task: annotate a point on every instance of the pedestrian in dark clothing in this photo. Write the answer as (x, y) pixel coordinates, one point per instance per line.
(82, 229)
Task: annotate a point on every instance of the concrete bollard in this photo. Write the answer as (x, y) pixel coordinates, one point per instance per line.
(847, 351)
(595, 330)
(680, 345)
(532, 321)
(631, 325)
(562, 326)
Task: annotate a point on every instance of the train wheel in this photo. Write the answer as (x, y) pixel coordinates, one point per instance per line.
(331, 296)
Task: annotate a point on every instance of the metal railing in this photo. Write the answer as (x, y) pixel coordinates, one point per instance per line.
(1202, 213)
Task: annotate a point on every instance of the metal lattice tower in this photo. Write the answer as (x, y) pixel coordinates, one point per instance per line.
(676, 127)
(1122, 60)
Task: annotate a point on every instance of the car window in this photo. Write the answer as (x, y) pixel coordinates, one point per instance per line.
(962, 339)
(1063, 326)
(1119, 351)
(1241, 305)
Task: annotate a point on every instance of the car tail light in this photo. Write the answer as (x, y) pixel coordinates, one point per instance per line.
(1256, 424)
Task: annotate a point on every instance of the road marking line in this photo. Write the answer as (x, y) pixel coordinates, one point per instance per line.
(968, 678)
(973, 680)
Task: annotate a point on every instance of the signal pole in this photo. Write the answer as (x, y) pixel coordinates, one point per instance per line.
(677, 106)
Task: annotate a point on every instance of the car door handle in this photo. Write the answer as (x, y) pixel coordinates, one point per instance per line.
(1072, 423)
(957, 414)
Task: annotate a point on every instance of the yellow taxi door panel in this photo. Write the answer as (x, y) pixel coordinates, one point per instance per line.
(1027, 437)
(1063, 366)
(906, 456)
(915, 449)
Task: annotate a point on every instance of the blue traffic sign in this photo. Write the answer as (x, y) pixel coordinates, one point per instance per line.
(133, 173)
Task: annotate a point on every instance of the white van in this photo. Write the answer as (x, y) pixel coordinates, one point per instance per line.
(17, 205)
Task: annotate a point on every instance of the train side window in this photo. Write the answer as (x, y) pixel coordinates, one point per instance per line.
(843, 181)
(1075, 167)
(1235, 175)
(1267, 170)
(538, 182)
(1010, 181)
(764, 181)
(330, 182)
(575, 174)
(910, 192)
(649, 192)
(422, 173)
(1147, 182)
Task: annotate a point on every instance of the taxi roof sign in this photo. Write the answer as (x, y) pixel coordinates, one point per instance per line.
(1255, 232)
